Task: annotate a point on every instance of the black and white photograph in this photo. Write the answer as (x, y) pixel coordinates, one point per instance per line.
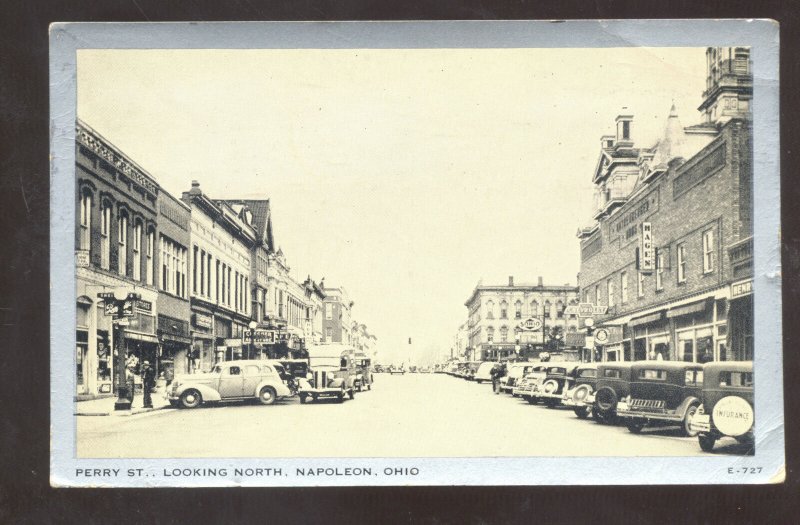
(416, 264)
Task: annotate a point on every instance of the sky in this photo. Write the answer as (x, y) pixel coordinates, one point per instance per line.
(403, 175)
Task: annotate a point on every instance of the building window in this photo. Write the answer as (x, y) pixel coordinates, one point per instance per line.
(610, 285)
(681, 263)
(623, 290)
(660, 271)
(194, 270)
(640, 284)
(329, 334)
(105, 236)
(597, 295)
(86, 221)
(122, 240)
(626, 130)
(708, 251)
(151, 241)
(137, 252)
(236, 292)
(490, 310)
(518, 310)
(504, 334)
(328, 311)
(228, 286)
(490, 335)
(503, 310)
(547, 308)
(208, 276)
(559, 310)
(534, 308)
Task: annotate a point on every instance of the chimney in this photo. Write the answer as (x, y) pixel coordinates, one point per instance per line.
(541, 283)
(510, 280)
(195, 188)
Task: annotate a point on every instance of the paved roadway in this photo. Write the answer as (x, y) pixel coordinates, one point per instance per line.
(413, 415)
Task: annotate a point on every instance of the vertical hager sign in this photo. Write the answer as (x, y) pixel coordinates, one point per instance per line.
(647, 255)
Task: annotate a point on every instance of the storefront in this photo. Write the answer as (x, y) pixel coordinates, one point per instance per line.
(176, 345)
(740, 333)
(140, 338)
(201, 356)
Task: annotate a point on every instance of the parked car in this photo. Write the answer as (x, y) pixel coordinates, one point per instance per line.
(333, 373)
(514, 373)
(613, 383)
(484, 371)
(727, 404)
(558, 377)
(471, 369)
(662, 391)
(396, 369)
(363, 379)
(231, 381)
(528, 386)
(580, 394)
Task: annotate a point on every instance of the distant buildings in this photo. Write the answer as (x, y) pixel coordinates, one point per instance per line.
(337, 321)
(519, 321)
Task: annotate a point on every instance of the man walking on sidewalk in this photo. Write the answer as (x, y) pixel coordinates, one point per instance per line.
(148, 382)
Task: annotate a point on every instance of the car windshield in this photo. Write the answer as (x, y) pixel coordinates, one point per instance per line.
(558, 370)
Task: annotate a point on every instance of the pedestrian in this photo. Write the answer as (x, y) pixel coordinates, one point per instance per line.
(148, 382)
(131, 369)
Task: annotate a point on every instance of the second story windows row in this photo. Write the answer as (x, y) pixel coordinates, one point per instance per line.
(216, 281)
(173, 267)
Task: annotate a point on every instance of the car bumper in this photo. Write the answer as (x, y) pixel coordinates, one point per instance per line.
(625, 410)
(700, 423)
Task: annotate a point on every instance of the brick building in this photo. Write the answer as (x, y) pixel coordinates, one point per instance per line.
(519, 321)
(692, 193)
(337, 321)
(115, 239)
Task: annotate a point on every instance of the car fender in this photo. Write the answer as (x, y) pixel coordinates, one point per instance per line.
(684, 406)
(280, 389)
(208, 393)
(336, 382)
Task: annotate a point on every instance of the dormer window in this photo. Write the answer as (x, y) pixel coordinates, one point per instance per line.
(626, 130)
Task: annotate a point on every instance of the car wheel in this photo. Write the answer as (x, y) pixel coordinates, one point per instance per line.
(267, 395)
(687, 421)
(532, 400)
(707, 442)
(606, 399)
(191, 399)
(303, 399)
(635, 426)
(581, 412)
(352, 394)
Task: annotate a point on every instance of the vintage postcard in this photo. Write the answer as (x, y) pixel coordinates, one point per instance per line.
(415, 253)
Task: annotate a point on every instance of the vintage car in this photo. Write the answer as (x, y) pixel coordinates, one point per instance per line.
(558, 378)
(580, 394)
(613, 383)
(514, 373)
(484, 371)
(231, 381)
(662, 392)
(529, 384)
(471, 369)
(333, 373)
(364, 372)
(396, 369)
(727, 404)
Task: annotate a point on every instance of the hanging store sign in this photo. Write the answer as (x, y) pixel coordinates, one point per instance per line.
(532, 323)
(741, 288)
(259, 336)
(646, 254)
(585, 310)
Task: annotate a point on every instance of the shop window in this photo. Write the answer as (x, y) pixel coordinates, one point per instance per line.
(708, 251)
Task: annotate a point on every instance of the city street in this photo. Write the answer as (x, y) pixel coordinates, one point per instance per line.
(411, 415)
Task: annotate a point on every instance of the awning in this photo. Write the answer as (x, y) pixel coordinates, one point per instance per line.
(176, 338)
(692, 308)
(646, 319)
(147, 338)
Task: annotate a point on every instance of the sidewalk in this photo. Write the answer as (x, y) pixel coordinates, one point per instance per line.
(105, 406)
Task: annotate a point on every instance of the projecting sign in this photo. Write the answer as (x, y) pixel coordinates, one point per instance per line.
(647, 254)
(532, 323)
(585, 310)
(259, 336)
(741, 288)
(112, 308)
(601, 335)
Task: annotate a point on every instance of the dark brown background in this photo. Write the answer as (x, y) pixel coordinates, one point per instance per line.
(25, 495)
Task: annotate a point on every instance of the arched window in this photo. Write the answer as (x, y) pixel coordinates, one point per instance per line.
(518, 309)
(86, 220)
(137, 251)
(105, 235)
(560, 309)
(490, 310)
(490, 334)
(504, 334)
(547, 308)
(534, 308)
(503, 310)
(122, 243)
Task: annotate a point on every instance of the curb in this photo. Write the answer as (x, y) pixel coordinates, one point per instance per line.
(122, 413)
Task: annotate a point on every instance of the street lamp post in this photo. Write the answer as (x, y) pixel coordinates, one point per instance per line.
(252, 326)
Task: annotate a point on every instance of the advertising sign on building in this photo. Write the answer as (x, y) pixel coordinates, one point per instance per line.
(741, 288)
(531, 323)
(259, 336)
(646, 254)
(82, 258)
